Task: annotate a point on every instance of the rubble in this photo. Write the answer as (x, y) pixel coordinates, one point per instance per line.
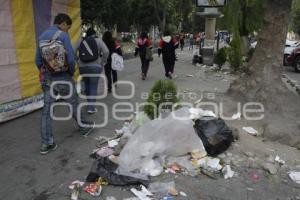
(280, 161)
(269, 167)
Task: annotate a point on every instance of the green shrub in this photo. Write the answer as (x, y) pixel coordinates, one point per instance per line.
(220, 57)
(163, 91)
(235, 53)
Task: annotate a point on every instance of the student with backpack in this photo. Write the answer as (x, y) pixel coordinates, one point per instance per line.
(56, 62)
(113, 47)
(144, 49)
(92, 54)
(166, 47)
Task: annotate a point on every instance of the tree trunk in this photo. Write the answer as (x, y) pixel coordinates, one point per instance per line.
(263, 84)
(264, 81)
(161, 22)
(164, 19)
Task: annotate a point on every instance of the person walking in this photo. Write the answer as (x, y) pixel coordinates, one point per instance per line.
(191, 39)
(93, 55)
(56, 66)
(113, 47)
(166, 47)
(181, 41)
(143, 44)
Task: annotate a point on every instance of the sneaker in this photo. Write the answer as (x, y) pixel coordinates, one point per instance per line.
(47, 148)
(170, 75)
(92, 111)
(85, 131)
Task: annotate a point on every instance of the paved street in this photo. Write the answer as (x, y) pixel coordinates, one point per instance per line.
(26, 175)
(290, 72)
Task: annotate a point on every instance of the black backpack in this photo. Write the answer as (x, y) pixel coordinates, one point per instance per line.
(143, 50)
(168, 50)
(88, 50)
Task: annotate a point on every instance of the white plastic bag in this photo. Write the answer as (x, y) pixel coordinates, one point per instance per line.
(117, 62)
(160, 138)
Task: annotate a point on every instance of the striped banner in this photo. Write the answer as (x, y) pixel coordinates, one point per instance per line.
(21, 23)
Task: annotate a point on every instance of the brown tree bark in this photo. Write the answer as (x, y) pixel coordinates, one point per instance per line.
(264, 84)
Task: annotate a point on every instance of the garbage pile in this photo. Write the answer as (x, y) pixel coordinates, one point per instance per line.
(183, 142)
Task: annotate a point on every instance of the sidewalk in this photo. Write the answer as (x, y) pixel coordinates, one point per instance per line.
(26, 175)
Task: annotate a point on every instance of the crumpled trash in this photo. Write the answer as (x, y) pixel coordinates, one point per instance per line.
(183, 194)
(210, 164)
(103, 152)
(142, 194)
(161, 188)
(197, 113)
(250, 130)
(74, 183)
(124, 130)
(172, 136)
(227, 172)
(172, 191)
(177, 163)
(113, 143)
(280, 161)
(93, 189)
(76, 188)
(295, 176)
(215, 134)
(130, 127)
(152, 167)
(105, 168)
(236, 116)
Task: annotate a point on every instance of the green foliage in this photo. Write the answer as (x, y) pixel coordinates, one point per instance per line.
(142, 14)
(220, 57)
(163, 91)
(295, 16)
(244, 16)
(235, 53)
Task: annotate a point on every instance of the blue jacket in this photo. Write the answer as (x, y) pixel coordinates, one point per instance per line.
(64, 37)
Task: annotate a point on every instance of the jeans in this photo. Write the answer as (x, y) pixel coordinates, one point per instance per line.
(62, 90)
(91, 84)
(111, 76)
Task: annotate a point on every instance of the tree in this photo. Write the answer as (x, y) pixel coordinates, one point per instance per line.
(295, 15)
(242, 17)
(105, 12)
(263, 84)
(141, 14)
